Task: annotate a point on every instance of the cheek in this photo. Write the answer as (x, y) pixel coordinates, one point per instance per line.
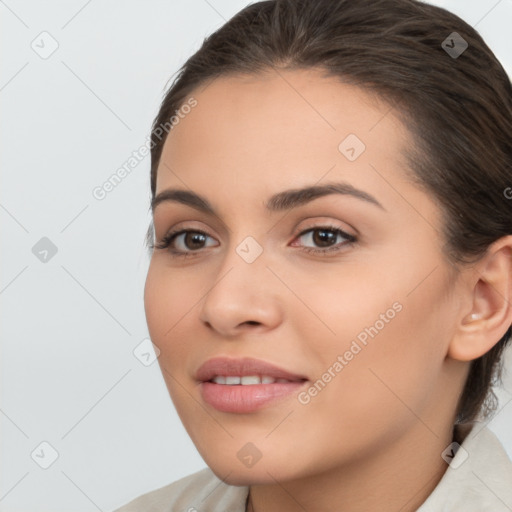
(392, 337)
(169, 307)
(156, 304)
(168, 294)
(169, 303)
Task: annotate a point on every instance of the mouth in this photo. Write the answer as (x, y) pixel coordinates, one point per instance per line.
(246, 385)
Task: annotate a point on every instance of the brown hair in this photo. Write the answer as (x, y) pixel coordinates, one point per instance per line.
(458, 107)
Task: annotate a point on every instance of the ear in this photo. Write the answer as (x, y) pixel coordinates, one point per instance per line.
(481, 327)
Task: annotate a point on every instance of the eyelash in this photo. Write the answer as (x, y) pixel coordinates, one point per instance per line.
(167, 240)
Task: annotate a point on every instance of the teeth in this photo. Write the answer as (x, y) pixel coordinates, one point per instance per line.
(246, 380)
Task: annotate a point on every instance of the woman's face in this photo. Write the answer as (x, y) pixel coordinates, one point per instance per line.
(366, 320)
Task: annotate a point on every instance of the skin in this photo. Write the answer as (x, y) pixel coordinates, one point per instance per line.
(372, 439)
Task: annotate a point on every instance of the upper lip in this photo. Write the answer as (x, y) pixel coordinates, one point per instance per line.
(241, 367)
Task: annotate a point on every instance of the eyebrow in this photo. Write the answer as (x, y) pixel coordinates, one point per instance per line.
(285, 200)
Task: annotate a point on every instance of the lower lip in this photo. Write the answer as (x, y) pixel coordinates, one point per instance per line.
(250, 398)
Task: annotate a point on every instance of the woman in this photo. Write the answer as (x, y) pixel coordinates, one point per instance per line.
(330, 283)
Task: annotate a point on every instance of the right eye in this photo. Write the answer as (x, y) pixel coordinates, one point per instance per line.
(191, 238)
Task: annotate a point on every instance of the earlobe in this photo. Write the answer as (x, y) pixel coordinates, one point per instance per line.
(471, 318)
(490, 315)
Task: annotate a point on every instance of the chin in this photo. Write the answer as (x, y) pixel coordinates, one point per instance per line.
(260, 473)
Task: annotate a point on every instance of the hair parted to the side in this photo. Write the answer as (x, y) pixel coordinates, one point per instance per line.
(459, 111)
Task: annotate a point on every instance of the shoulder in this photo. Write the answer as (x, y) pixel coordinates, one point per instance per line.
(202, 490)
(478, 477)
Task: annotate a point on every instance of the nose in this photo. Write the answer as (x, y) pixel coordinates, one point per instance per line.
(244, 297)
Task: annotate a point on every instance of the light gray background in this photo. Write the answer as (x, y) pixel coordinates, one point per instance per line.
(70, 325)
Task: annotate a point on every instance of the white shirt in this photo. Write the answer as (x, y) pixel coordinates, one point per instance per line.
(477, 479)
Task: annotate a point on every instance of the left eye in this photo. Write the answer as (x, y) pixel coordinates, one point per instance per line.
(326, 235)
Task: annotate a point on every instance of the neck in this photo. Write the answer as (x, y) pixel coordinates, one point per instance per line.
(400, 476)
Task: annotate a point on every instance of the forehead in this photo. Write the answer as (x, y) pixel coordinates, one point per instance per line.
(279, 129)
(240, 111)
